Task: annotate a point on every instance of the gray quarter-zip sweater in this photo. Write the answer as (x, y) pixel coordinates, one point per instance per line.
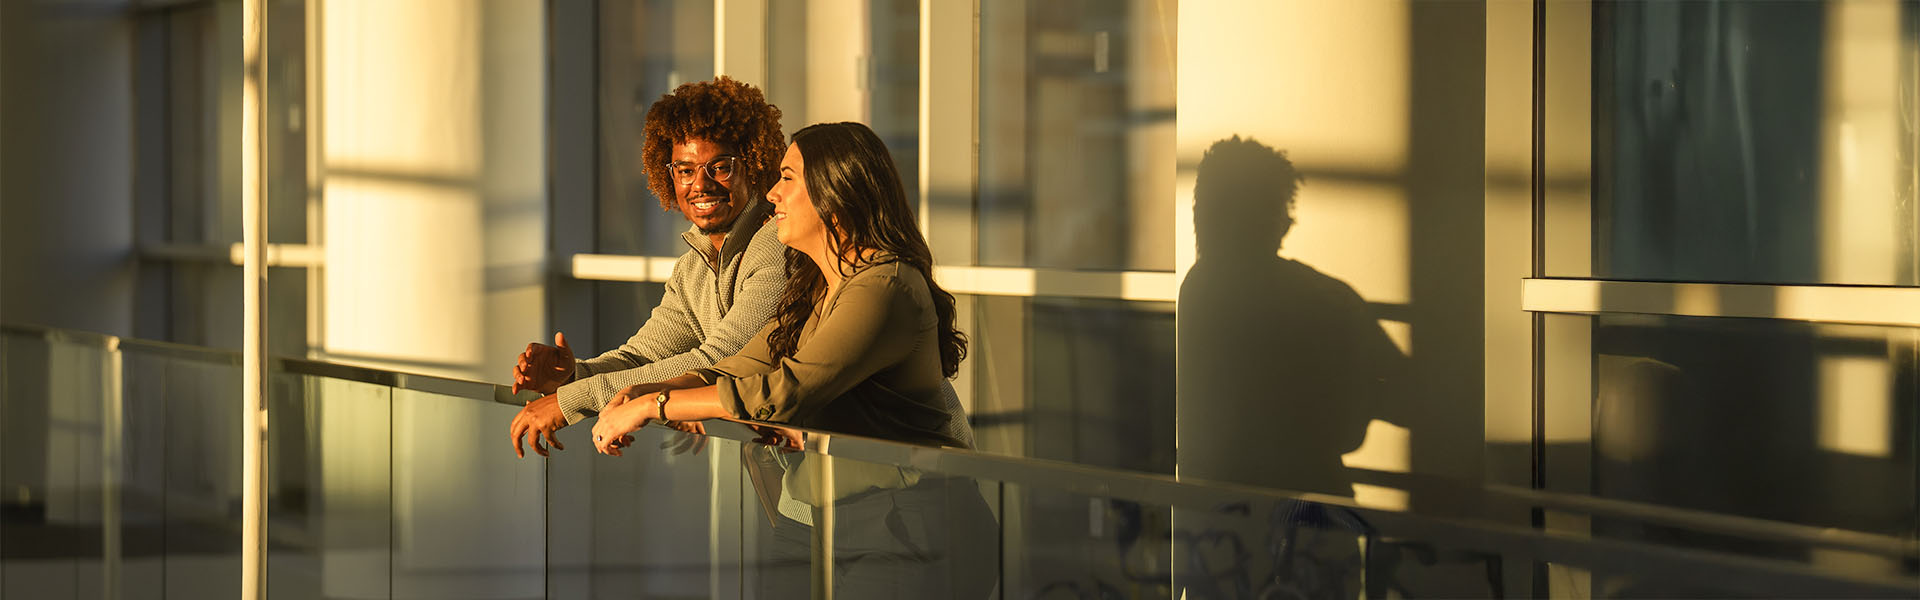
(706, 315)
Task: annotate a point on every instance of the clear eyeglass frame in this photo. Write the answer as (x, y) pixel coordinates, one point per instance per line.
(720, 169)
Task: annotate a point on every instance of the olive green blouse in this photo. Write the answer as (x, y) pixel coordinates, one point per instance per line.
(867, 364)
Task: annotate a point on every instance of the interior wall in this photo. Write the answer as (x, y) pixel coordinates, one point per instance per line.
(433, 193)
(1347, 329)
(66, 173)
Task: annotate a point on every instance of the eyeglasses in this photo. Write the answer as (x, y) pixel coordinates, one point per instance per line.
(720, 169)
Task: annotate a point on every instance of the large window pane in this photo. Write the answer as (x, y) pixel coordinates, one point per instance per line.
(1076, 135)
(1075, 379)
(850, 60)
(646, 49)
(1797, 422)
(1755, 142)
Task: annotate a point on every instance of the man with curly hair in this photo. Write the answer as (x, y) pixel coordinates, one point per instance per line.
(712, 150)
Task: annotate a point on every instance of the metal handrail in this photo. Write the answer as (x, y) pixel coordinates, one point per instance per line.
(288, 364)
(1188, 491)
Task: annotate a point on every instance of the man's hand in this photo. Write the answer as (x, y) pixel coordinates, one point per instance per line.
(540, 417)
(543, 368)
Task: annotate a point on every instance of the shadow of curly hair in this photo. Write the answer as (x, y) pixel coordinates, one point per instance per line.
(726, 111)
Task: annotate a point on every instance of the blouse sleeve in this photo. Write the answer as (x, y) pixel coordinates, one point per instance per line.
(872, 325)
(754, 358)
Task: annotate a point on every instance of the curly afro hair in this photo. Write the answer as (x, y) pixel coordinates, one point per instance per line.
(725, 111)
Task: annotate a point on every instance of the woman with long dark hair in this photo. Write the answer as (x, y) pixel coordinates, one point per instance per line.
(862, 342)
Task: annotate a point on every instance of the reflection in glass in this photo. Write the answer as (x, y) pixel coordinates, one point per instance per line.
(644, 519)
(332, 500)
(1756, 142)
(647, 49)
(141, 477)
(850, 60)
(1074, 379)
(1794, 422)
(895, 531)
(1076, 134)
(55, 475)
(463, 511)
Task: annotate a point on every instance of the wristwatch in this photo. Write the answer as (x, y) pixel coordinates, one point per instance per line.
(660, 401)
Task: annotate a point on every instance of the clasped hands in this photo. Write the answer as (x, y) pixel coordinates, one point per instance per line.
(544, 369)
(631, 409)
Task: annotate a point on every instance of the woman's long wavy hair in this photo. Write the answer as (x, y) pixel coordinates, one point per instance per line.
(855, 186)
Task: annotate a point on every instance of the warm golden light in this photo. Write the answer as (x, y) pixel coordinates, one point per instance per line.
(1260, 70)
(1860, 130)
(1856, 406)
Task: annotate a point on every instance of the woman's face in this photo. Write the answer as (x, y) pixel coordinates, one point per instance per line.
(798, 223)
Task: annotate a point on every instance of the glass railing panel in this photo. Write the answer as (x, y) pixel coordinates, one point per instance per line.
(54, 480)
(1233, 541)
(384, 485)
(330, 510)
(570, 480)
(1061, 544)
(141, 481)
(653, 514)
(1267, 548)
(897, 531)
(7, 508)
(468, 518)
(203, 477)
(774, 553)
(662, 521)
(920, 522)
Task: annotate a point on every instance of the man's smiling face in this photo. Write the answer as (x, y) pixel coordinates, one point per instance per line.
(703, 179)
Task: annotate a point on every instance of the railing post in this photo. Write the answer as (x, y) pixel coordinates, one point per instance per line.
(823, 522)
(253, 221)
(112, 432)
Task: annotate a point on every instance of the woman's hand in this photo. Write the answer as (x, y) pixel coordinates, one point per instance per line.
(622, 415)
(781, 437)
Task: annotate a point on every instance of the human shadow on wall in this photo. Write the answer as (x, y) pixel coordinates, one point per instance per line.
(1280, 367)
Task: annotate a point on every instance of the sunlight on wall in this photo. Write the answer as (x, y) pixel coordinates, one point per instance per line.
(1332, 91)
(1567, 121)
(402, 146)
(402, 278)
(433, 198)
(1860, 165)
(1386, 449)
(1329, 84)
(1357, 232)
(1568, 372)
(837, 86)
(1856, 406)
(1508, 255)
(402, 87)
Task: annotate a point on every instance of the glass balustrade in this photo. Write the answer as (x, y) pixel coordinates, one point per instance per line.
(121, 477)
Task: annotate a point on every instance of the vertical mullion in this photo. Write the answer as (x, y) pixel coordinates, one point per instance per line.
(253, 373)
(1537, 454)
